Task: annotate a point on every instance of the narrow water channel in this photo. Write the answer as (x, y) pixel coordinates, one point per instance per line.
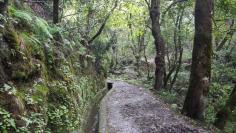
(93, 121)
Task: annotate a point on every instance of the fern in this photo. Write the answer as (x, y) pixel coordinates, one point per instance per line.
(33, 44)
(41, 27)
(22, 15)
(38, 25)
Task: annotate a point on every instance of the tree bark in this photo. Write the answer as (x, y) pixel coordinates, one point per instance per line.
(223, 115)
(3, 7)
(201, 60)
(159, 44)
(55, 11)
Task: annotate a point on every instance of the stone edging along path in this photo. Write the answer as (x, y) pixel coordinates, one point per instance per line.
(131, 109)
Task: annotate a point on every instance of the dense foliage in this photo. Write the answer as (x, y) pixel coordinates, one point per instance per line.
(48, 80)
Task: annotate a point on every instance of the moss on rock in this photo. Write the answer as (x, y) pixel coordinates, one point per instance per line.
(52, 90)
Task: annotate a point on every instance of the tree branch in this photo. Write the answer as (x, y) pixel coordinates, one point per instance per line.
(103, 24)
(148, 4)
(169, 7)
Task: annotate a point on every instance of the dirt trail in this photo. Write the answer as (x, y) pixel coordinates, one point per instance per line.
(130, 109)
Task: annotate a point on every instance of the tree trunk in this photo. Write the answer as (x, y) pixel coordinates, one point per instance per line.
(180, 49)
(55, 11)
(3, 7)
(147, 63)
(223, 115)
(159, 44)
(227, 37)
(173, 65)
(201, 60)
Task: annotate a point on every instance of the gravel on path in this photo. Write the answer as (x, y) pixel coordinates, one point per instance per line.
(131, 109)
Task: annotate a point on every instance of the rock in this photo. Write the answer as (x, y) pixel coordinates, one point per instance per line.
(130, 71)
(174, 106)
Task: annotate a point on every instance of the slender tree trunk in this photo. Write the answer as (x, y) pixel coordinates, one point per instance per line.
(55, 11)
(223, 115)
(180, 49)
(168, 59)
(173, 65)
(140, 50)
(3, 7)
(159, 44)
(145, 56)
(201, 60)
(138, 56)
(227, 37)
(177, 69)
(147, 63)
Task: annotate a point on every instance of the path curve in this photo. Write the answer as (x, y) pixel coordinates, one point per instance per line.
(131, 109)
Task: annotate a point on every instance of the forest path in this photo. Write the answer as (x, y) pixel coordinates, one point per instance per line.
(131, 109)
